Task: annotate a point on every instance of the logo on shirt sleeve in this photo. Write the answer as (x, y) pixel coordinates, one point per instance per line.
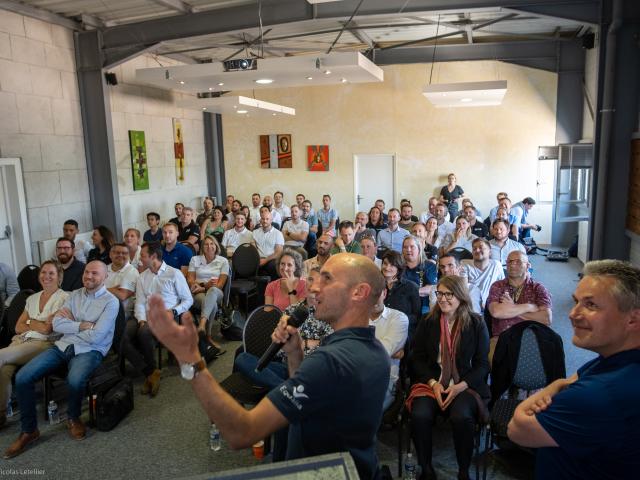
(295, 395)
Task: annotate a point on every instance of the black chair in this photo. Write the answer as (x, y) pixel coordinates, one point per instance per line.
(108, 372)
(244, 266)
(256, 338)
(461, 253)
(11, 315)
(28, 278)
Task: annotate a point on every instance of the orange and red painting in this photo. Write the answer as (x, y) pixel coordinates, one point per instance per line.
(318, 158)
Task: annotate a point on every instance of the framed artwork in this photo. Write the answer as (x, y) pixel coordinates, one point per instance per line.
(275, 151)
(139, 165)
(178, 149)
(318, 158)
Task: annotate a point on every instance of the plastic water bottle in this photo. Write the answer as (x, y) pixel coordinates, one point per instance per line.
(410, 467)
(214, 438)
(54, 418)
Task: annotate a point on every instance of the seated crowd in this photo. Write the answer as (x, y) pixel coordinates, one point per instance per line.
(444, 269)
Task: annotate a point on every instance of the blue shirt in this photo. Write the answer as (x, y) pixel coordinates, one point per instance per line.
(596, 423)
(150, 237)
(424, 274)
(325, 217)
(101, 308)
(179, 257)
(392, 240)
(334, 400)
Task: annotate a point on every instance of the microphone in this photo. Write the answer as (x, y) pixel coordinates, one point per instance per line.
(297, 318)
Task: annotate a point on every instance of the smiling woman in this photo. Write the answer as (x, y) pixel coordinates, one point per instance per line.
(289, 288)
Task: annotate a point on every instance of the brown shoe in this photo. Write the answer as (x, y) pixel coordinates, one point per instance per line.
(77, 428)
(154, 382)
(21, 443)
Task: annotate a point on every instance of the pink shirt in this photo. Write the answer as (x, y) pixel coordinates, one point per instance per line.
(280, 298)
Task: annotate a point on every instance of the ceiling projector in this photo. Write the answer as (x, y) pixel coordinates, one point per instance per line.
(240, 64)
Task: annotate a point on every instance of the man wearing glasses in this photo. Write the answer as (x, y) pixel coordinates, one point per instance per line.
(73, 268)
(517, 298)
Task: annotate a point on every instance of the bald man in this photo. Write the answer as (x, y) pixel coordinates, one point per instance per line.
(87, 322)
(351, 362)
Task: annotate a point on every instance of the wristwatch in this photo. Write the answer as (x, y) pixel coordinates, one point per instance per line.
(188, 371)
(293, 292)
(175, 312)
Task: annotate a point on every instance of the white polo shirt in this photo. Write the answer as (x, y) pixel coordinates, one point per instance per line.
(266, 241)
(125, 278)
(483, 279)
(292, 227)
(206, 271)
(233, 238)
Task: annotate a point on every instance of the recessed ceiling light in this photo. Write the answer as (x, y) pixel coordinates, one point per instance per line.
(466, 99)
(211, 89)
(264, 81)
(204, 108)
(220, 84)
(343, 80)
(327, 72)
(181, 82)
(274, 114)
(241, 111)
(235, 106)
(309, 78)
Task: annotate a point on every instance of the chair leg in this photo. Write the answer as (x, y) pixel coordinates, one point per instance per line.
(46, 389)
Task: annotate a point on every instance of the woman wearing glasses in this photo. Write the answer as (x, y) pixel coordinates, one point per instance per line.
(449, 367)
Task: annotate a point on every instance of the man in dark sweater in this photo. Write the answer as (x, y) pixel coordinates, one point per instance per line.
(73, 268)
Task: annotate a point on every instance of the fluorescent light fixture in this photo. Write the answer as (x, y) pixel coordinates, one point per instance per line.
(313, 2)
(466, 94)
(264, 81)
(235, 104)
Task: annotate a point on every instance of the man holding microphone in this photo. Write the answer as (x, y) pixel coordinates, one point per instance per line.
(333, 399)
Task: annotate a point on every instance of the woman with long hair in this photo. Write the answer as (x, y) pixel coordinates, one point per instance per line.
(450, 194)
(376, 221)
(132, 241)
(461, 237)
(449, 367)
(419, 270)
(215, 224)
(102, 240)
(419, 230)
(402, 294)
(34, 329)
(290, 288)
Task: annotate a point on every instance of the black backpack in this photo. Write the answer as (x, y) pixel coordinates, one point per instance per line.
(114, 404)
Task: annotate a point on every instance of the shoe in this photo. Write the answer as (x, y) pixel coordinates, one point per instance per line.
(77, 428)
(154, 382)
(146, 387)
(21, 443)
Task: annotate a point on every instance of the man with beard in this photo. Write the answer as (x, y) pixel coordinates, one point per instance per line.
(501, 244)
(73, 268)
(324, 244)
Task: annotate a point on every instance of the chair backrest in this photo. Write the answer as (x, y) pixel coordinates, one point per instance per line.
(245, 261)
(28, 278)
(118, 332)
(461, 253)
(256, 336)
(529, 374)
(11, 315)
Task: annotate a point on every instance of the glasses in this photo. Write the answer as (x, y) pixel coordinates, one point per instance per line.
(447, 295)
(515, 262)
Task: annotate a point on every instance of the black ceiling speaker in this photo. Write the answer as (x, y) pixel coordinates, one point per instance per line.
(111, 78)
(588, 40)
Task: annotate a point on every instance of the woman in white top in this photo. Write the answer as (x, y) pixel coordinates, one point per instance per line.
(460, 238)
(132, 241)
(34, 329)
(206, 277)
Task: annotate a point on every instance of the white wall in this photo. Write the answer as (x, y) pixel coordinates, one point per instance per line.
(40, 121)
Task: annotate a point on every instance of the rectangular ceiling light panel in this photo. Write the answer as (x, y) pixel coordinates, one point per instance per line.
(466, 94)
(235, 105)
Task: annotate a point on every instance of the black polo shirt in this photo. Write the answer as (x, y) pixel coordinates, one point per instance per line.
(191, 230)
(72, 277)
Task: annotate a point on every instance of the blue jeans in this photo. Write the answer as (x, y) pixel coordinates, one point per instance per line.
(80, 367)
(273, 375)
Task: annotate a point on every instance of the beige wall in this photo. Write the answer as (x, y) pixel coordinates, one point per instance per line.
(490, 148)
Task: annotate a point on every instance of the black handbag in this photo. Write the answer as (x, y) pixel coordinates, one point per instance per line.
(114, 404)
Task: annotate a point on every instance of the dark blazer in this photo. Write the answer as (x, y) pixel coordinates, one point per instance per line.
(472, 357)
(404, 296)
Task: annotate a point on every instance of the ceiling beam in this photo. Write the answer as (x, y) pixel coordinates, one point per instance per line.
(280, 12)
(541, 53)
(357, 31)
(177, 5)
(40, 14)
(588, 13)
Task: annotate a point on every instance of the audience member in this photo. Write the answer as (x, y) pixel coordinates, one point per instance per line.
(254, 209)
(402, 294)
(376, 221)
(207, 276)
(449, 369)
(431, 210)
(478, 228)
(360, 227)
(34, 331)
(248, 223)
(280, 207)
(482, 271)
(324, 245)
(450, 265)
(419, 270)
(215, 224)
(236, 236)
(275, 216)
(122, 277)
(517, 298)
(299, 199)
(588, 425)
(460, 238)
(269, 242)
(188, 229)
(501, 244)
(8, 284)
(102, 239)
(207, 210)
(154, 234)
(138, 341)
(450, 194)
(81, 250)
(132, 242)
(445, 227)
(391, 329)
(295, 230)
(370, 250)
(467, 202)
(345, 242)
(494, 210)
(228, 206)
(236, 207)
(73, 268)
(174, 254)
(380, 205)
(419, 230)
(521, 211)
(290, 288)
(407, 217)
(87, 322)
(327, 216)
(392, 236)
(178, 210)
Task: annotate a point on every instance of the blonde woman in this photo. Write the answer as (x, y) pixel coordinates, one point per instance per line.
(34, 329)
(460, 238)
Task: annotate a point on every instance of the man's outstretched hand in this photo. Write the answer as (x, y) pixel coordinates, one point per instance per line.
(182, 340)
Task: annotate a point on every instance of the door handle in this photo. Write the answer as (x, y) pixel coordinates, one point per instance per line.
(358, 198)
(7, 232)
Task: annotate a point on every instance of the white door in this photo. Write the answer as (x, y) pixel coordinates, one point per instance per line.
(15, 246)
(7, 248)
(374, 178)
